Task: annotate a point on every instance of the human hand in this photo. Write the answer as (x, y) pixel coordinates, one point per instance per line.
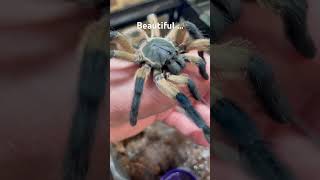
(154, 105)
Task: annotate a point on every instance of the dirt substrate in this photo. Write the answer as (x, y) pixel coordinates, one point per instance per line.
(159, 149)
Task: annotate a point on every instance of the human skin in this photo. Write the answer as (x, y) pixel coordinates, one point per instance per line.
(39, 71)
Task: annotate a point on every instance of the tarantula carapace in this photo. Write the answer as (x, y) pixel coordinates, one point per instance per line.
(165, 57)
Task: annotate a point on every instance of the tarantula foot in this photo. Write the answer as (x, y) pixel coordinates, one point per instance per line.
(234, 121)
(193, 30)
(206, 132)
(202, 69)
(261, 76)
(241, 128)
(193, 114)
(194, 91)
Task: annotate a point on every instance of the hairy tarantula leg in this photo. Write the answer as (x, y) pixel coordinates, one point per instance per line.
(123, 55)
(261, 76)
(170, 90)
(294, 18)
(178, 34)
(199, 44)
(185, 80)
(136, 36)
(152, 19)
(91, 91)
(201, 63)
(241, 129)
(122, 40)
(174, 67)
(181, 61)
(193, 30)
(225, 63)
(141, 76)
(259, 73)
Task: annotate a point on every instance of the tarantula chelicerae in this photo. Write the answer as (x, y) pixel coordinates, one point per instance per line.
(165, 58)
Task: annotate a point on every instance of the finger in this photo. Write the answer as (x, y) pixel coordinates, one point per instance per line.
(300, 155)
(183, 124)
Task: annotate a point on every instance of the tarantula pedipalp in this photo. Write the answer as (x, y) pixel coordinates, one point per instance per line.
(165, 58)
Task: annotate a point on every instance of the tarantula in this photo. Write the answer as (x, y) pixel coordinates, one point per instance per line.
(165, 58)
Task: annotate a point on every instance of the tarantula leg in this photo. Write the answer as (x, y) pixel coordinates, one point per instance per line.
(141, 76)
(181, 61)
(185, 80)
(193, 30)
(258, 72)
(231, 58)
(242, 130)
(199, 44)
(178, 34)
(261, 76)
(174, 67)
(170, 90)
(123, 55)
(122, 40)
(201, 63)
(136, 36)
(91, 91)
(152, 19)
(294, 18)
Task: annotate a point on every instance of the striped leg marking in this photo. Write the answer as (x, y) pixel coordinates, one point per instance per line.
(201, 63)
(123, 55)
(141, 76)
(122, 40)
(170, 90)
(185, 80)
